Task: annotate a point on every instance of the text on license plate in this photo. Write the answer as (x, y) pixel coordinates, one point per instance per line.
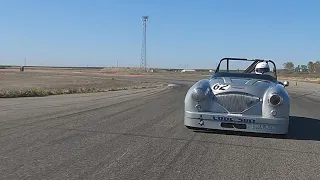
(263, 127)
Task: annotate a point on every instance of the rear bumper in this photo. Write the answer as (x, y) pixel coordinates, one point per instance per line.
(204, 120)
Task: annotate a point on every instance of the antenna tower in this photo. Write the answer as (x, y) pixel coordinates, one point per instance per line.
(143, 63)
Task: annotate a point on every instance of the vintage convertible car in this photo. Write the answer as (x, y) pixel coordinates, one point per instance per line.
(239, 101)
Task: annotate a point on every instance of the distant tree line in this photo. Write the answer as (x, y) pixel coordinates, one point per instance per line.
(311, 67)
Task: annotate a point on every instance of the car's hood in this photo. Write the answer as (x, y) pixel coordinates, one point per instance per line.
(254, 87)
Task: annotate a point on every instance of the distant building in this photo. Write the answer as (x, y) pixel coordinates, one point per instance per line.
(188, 70)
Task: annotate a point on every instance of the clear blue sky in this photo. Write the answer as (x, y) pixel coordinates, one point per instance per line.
(180, 32)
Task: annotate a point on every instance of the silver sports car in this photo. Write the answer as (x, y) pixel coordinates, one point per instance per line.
(239, 100)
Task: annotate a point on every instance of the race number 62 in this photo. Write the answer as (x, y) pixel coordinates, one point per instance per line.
(220, 87)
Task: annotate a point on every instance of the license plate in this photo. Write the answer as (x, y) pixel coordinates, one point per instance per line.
(263, 127)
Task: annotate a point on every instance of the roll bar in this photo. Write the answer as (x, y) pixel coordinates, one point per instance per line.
(250, 68)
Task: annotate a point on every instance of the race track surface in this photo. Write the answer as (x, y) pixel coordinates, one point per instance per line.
(140, 135)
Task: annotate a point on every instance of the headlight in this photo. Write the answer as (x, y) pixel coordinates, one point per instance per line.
(199, 94)
(275, 99)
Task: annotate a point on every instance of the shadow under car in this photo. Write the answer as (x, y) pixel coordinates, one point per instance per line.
(300, 128)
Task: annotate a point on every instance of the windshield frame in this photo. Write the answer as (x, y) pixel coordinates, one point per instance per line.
(250, 69)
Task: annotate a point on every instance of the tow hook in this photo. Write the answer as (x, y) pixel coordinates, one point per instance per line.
(201, 122)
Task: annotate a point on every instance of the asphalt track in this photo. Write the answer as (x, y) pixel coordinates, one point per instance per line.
(140, 135)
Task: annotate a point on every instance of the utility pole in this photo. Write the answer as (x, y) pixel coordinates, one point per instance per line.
(143, 62)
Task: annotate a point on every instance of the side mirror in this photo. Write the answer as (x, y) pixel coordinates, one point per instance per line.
(286, 83)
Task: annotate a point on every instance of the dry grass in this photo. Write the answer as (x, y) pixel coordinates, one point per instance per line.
(14, 93)
(41, 82)
(301, 79)
(44, 81)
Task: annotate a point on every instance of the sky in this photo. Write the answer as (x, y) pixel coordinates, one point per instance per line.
(180, 33)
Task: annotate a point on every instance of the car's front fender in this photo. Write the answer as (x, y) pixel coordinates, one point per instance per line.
(279, 111)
